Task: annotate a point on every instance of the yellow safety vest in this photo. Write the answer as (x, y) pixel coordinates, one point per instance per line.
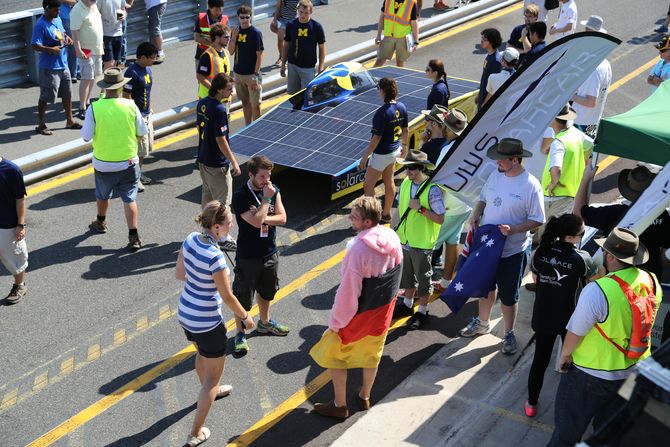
(595, 352)
(115, 136)
(416, 230)
(219, 65)
(573, 164)
(397, 23)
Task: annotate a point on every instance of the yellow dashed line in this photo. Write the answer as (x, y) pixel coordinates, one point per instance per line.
(294, 238)
(142, 324)
(164, 312)
(9, 398)
(119, 337)
(67, 366)
(41, 381)
(93, 352)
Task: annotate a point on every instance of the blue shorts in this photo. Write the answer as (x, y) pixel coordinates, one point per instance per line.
(451, 229)
(123, 182)
(509, 275)
(112, 48)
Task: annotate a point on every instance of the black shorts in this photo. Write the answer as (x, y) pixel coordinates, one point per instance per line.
(112, 48)
(256, 275)
(211, 344)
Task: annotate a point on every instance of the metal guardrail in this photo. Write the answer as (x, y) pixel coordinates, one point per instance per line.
(73, 154)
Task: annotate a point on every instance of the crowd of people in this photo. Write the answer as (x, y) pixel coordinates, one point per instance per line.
(541, 190)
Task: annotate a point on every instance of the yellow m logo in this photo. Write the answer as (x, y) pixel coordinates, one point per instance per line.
(302, 32)
(147, 79)
(242, 38)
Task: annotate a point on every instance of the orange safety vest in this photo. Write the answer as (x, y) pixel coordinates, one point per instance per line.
(204, 24)
(219, 65)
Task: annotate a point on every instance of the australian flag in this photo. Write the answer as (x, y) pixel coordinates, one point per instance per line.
(477, 275)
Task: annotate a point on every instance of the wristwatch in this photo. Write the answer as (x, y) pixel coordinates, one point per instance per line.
(21, 225)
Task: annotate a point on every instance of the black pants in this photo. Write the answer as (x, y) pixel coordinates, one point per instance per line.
(544, 344)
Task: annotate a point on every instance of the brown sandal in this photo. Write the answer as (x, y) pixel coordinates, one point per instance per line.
(44, 131)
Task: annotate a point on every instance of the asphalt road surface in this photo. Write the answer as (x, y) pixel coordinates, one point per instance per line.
(94, 355)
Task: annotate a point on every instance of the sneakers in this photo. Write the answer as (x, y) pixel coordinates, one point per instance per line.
(224, 390)
(134, 242)
(228, 245)
(160, 58)
(192, 441)
(417, 321)
(509, 344)
(474, 327)
(140, 186)
(401, 311)
(530, 410)
(272, 327)
(331, 410)
(16, 294)
(145, 180)
(241, 345)
(98, 227)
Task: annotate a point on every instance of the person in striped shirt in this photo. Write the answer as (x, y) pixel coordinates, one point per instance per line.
(202, 266)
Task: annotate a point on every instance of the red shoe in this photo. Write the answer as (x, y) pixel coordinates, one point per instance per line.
(531, 410)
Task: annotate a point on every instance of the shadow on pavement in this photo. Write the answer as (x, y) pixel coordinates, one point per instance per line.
(318, 241)
(186, 364)
(27, 117)
(358, 29)
(65, 198)
(122, 262)
(65, 252)
(152, 432)
(605, 184)
(320, 301)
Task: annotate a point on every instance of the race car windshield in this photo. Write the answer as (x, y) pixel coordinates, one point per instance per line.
(337, 86)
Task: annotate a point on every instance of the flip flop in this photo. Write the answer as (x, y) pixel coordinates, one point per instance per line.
(74, 126)
(44, 131)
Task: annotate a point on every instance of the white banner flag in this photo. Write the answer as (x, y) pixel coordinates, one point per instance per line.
(651, 204)
(522, 108)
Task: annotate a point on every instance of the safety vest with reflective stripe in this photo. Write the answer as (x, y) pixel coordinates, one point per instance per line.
(204, 24)
(572, 169)
(397, 23)
(115, 136)
(416, 230)
(595, 352)
(218, 65)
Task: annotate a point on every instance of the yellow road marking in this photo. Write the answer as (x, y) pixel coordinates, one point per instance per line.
(293, 402)
(128, 389)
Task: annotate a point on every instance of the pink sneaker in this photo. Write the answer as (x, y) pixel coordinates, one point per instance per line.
(531, 410)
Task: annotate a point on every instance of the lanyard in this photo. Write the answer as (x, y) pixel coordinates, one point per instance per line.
(253, 193)
(209, 238)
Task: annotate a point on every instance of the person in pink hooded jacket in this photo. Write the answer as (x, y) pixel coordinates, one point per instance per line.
(363, 307)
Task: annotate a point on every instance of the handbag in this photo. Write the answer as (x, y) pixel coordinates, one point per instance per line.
(550, 4)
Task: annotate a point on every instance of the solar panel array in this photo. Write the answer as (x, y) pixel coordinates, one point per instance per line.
(334, 138)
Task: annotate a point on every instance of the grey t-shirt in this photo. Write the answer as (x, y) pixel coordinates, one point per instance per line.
(111, 27)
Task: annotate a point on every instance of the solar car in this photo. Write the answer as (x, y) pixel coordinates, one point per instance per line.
(325, 128)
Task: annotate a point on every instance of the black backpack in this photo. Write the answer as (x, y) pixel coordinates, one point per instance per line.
(550, 4)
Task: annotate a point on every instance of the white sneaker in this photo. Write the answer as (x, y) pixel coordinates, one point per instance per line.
(475, 327)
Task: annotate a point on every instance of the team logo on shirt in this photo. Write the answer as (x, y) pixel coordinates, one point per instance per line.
(497, 201)
(397, 113)
(242, 38)
(559, 277)
(224, 129)
(58, 35)
(302, 32)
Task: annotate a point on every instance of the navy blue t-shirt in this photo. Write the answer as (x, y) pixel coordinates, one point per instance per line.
(212, 123)
(249, 41)
(304, 38)
(515, 37)
(388, 122)
(12, 188)
(139, 86)
(433, 149)
(439, 94)
(250, 244)
(532, 54)
(491, 65)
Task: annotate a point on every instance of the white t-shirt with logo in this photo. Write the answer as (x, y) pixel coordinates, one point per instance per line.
(596, 85)
(567, 14)
(512, 201)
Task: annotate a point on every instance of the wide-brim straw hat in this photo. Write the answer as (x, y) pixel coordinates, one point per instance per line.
(112, 79)
(632, 182)
(415, 157)
(625, 245)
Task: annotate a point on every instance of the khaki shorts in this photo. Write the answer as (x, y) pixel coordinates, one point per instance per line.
(244, 91)
(389, 45)
(146, 142)
(13, 253)
(217, 184)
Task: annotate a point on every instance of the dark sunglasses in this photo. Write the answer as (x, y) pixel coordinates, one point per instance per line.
(428, 69)
(244, 17)
(413, 167)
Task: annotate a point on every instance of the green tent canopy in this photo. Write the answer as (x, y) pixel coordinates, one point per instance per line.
(642, 133)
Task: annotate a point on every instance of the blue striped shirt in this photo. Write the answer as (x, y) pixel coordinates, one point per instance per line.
(200, 302)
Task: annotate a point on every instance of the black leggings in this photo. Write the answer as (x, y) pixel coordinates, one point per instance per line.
(544, 344)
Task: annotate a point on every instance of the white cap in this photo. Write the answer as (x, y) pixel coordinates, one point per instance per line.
(595, 23)
(510, 54)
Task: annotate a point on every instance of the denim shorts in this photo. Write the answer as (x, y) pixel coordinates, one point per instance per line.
(112, 46)
(124, 183)
(155, 14)
(509, 275)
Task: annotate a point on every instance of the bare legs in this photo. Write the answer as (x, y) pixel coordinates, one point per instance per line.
(508, 312)
(209, 372)
(339, 378)
(371, 177)
(130, 210)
